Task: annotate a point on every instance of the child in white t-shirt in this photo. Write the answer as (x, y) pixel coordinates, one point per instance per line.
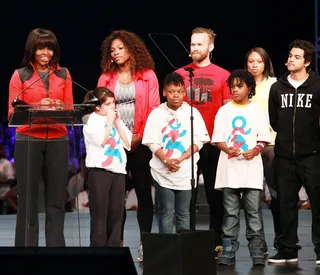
(106, 138)
(168, 135)
(241, 132)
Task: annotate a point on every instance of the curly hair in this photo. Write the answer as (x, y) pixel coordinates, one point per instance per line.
(308, 48)
(140, 56)
(173, 79)
(242, 76)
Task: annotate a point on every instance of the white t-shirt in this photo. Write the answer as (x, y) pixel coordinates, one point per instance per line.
(295, 83)
(171, 130)
(240, 126)
(112, 156)
(6, 173)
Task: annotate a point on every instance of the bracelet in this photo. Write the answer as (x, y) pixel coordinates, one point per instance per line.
(165, 161)
(108, 126)
(261, 145)
(258, 148)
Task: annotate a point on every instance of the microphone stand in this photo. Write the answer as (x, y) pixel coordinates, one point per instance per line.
(192, 180)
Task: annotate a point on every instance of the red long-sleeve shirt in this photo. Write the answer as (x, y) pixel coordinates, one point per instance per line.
(60, 88)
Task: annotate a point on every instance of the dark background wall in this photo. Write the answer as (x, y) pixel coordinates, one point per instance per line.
(81, 26)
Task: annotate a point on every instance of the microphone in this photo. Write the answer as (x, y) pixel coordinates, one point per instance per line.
(190, 70)
(18, 101)
(94, 99)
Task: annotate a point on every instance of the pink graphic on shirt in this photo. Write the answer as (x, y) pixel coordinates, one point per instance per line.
(238, 134)
(112, 151)
(172, 136)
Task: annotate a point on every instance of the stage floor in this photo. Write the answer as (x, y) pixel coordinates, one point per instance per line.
(76, 235)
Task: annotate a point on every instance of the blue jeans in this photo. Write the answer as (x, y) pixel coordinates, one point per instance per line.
(253, 217)
(168, 202)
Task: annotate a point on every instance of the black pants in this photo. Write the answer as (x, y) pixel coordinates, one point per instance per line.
(267, 158)
(139, 168)
(290, 176)
(207, 164)
(49, 160)
(106, 202)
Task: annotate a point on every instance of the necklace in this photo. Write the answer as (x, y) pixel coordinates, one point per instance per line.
(123, 74)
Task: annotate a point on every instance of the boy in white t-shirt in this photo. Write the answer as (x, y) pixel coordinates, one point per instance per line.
(168, 135)
(241, 132)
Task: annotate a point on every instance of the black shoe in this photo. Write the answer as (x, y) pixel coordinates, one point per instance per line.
(284, 256)
(276, 244)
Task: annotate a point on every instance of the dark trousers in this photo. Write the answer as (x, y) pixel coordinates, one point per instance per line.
(49, 160)
(267, 158)
(207, 164)
(290, 176)
(139, 170)
(106, 202)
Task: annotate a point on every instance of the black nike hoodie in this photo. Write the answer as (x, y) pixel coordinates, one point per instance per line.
(294, 115)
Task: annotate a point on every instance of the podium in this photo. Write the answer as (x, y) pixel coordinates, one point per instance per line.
(36, 115)
(67, 114)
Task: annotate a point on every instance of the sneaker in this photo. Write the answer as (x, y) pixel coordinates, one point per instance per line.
(140, 254)
(218, 251)
(265, 251)
(226, 258)
(318, 259)
(276, 244)
(284, 256)
(258, 259)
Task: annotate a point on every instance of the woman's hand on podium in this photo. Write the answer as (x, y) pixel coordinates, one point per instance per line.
(59, 104)
(51, 104)
(46, 104)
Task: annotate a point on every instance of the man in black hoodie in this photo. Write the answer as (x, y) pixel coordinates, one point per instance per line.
(294, 112)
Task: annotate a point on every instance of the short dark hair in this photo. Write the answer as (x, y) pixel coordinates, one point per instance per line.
(101, 93)
(39, 39)
(243, 76)
(308, 48)
(173, 79)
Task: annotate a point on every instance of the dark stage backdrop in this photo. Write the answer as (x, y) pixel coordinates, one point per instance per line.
(81, 26)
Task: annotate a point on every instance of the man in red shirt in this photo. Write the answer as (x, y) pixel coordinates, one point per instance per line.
(210, 92)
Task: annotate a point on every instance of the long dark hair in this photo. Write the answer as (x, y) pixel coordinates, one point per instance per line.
(268, 67)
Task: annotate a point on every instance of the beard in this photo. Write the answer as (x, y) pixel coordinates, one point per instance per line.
(199, 57)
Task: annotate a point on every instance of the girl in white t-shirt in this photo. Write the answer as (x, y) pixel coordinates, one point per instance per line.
(106, 137)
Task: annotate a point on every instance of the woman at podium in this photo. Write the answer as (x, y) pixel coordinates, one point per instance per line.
(41, 150)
